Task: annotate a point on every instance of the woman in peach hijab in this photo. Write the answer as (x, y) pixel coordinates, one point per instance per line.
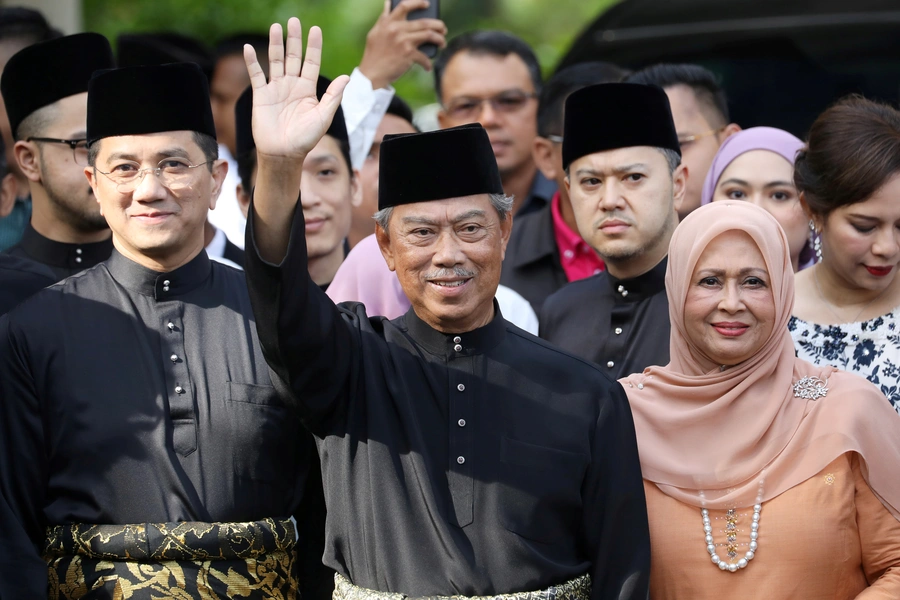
(766, 477)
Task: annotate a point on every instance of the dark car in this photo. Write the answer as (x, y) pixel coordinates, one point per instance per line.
(781, 61)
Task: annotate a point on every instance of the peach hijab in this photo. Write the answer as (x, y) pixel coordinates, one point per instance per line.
(717, 438)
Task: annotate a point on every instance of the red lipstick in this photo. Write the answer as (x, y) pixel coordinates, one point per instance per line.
(879, 271)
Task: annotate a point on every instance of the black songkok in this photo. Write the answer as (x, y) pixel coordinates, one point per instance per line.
(44, 73)
(448, 163)
(145, 49)
(608, 116)
(140, 100)
(243, 112)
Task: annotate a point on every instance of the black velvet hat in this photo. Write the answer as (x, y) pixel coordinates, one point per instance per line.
(608, 116)
(140, 100)
(448, 163)
(243, 113)
(44, 73)
(145, 49)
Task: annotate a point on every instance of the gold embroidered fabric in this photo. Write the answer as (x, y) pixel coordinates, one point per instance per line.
(186, 561)
(576, 589)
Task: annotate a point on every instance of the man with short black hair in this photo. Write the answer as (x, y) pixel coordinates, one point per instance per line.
(45, 93)
(545, 250)
(143, 449)
(494, 78)
(700, 110)
(625, 182)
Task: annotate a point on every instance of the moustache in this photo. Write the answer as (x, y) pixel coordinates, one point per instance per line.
(454, 272)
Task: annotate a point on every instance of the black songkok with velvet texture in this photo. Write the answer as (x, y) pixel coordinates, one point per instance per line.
(44, 73)
(141, 100)
(608, 116)
(243, 113)
(448, 163)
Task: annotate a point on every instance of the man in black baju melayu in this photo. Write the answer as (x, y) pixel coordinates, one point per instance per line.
(45, 92)
(144, 452)
(625, 182)
(460, 455)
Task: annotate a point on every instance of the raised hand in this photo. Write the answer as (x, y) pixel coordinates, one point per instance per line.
(288, 119)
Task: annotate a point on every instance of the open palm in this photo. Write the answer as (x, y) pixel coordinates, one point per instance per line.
(288, 119)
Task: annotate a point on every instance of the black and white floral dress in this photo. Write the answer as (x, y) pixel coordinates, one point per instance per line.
(868, 348)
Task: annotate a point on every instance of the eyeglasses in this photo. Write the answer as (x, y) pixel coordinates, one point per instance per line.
(79, 147)
(556, 139)
(504, 102)
(684, 140)
(174, 173)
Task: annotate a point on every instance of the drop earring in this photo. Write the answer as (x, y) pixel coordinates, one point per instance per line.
(815, 240)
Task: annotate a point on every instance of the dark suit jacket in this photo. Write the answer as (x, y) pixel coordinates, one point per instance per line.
(532, 266)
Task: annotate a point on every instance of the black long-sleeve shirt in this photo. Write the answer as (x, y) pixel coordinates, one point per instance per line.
(622, 325)
(481, 463)
(63, 259)
(131, 396)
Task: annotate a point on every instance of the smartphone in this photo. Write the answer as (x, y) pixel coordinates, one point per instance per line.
(432, 12)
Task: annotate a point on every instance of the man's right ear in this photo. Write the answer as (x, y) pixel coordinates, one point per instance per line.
(243, 198)
(28, 159)
(542, 153)
(384, 244)
(7, 194)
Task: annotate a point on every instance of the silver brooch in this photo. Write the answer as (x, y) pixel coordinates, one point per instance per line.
(810, 388)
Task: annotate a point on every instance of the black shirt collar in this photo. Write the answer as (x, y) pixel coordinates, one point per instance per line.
(643, 286)
(160, 286)
(453, 345)
(60, 255)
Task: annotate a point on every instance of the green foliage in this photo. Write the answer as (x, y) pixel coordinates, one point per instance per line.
(549, 25)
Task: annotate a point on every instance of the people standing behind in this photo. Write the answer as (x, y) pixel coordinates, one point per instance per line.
(545, 250)
(397, 119)
(494, 78)
(461, 455)
(700, 110)
(19, 28)
(766, 476)
(757, 165)
(142, 445)
(19, 277)
(331, 188)
(45, 93)
(625, 182)
(845, 312)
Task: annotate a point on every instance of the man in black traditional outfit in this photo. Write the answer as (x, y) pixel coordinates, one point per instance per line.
(45, 92)
(460, 455)
(625, 181)
(143, 450)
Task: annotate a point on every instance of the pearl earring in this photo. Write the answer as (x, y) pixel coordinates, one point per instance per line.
(816, 240)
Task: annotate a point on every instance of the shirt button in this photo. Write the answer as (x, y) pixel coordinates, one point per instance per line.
(458, 348)
(171, 326)
(457, 340)
(167, 282)
(461, 422)
(461, 387)
(78, 259)
(78, 251)
(569, 254)
(174, 358)
(610, 364)
(460, 459)
(179, 389)
(618, 331)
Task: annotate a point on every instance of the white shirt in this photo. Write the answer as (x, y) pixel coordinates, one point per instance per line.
(216, 250)
(227, 215)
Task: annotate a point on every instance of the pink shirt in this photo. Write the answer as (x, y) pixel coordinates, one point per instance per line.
(578, 259)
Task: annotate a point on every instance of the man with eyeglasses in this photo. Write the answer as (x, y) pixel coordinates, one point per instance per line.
(700, 111)
(144, 452)
(494, 78)
(625, 181)
(45, 93)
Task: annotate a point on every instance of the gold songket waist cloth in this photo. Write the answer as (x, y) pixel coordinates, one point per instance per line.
(173, 560)
(575, 589)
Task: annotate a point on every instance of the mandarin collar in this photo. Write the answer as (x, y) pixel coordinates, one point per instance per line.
(61, 255)
(452, 345)
(643, 286)
(160, 286)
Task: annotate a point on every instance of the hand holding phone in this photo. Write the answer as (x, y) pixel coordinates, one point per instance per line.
(398, 38)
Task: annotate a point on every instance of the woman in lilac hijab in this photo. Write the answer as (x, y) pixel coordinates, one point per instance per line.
(757, 165)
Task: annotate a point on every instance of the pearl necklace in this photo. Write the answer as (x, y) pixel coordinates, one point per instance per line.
(731, 536)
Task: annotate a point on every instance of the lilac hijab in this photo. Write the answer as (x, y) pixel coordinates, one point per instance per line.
(756, 138)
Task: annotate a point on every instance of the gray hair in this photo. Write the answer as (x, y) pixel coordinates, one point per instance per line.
(672, 157)
(501, 203)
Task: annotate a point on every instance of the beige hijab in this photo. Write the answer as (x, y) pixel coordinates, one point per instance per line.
(716, 438)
